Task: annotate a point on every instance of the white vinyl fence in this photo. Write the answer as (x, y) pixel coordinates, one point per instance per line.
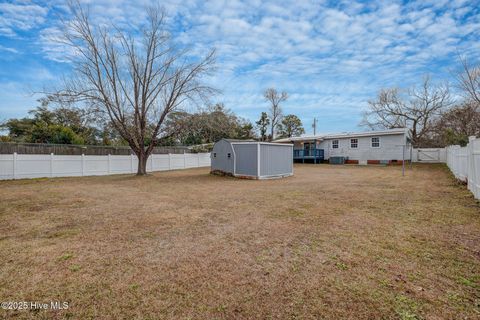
(464, 162)
(21, 166)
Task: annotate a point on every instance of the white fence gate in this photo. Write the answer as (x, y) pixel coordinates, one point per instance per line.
(21, 166)
(429, 155)
(464, 162)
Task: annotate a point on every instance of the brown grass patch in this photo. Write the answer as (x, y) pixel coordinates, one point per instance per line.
(330, 242)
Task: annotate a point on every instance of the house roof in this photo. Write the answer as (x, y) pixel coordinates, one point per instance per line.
(250, 141)
(345, 135)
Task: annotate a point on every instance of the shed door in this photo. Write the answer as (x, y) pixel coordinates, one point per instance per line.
(227, 160)
(222, 157)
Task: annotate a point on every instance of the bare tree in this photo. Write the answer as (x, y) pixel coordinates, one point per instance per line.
(136, 79)
(469, 81)
(458, 123)
(416, 109)
(275, 111)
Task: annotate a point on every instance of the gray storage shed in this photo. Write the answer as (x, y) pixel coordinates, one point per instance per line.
(252, 159)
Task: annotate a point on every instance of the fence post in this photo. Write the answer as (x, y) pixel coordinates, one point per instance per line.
(109, 164)
(198, 160)
(169, 161)
(131, 163)
(51, 165)
(476, 167)
(83, 164)
(184, 160)
(151, 163)
(471, 183)
(14, 165)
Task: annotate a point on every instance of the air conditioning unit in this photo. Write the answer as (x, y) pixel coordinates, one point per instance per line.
(337, 160)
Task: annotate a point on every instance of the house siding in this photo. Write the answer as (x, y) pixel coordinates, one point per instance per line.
(391, 148)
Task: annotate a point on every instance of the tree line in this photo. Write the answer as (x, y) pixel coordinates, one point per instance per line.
(49, 123)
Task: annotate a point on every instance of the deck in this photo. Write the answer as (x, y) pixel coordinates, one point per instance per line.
(315, 155)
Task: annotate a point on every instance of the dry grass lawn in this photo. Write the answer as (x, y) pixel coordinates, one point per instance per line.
(330, 242)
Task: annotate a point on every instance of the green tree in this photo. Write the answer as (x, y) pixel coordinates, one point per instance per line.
(61, 125)
(245, 130)
(290, 126)
(262, 125)
(54, 133)
(19, 130)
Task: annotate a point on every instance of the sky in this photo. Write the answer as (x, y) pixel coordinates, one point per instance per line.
(331, 57)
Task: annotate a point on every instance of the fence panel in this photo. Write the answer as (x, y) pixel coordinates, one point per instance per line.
(6, 166)
(32, 166)
(21, 166)
(464, 162)
(161, 162)
(204, 160)
(474, 168)
(67, 166)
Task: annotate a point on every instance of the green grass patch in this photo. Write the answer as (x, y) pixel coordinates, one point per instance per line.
(65, 257)
(406, 308)
(341, 266)
(75, 267)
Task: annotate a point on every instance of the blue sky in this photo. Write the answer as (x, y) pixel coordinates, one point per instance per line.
(330, 56)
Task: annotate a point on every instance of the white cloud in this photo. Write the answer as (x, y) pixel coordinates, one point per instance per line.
(328, 56)
(50, 42)
(20, 16)
(8, 49)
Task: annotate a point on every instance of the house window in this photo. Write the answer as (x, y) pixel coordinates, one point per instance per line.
(334, 144)
(375, 142)
(353, 143)
(229, 155)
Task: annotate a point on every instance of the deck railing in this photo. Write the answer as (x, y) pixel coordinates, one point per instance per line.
(308, 154)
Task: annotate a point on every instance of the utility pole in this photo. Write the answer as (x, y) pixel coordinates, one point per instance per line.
(314, 125)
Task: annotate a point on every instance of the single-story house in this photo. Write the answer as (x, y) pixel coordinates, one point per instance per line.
(371, 147)
(252, 159)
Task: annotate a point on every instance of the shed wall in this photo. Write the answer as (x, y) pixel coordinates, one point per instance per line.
(276, 160)
(219, 156)
(246, 159)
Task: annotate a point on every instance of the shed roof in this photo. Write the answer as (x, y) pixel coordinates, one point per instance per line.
(239, 140)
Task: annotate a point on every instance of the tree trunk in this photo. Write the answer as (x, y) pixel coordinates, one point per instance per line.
(142, 163)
